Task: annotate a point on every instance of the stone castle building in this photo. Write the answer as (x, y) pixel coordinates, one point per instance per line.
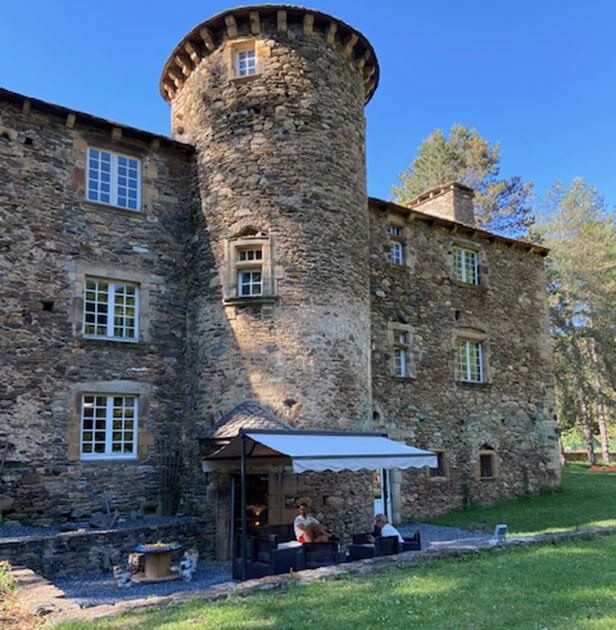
(159, 293)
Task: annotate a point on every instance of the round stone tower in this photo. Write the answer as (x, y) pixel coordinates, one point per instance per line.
(272, 99)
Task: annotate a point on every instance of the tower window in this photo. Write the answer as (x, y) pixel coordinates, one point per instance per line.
(249, 283)
(246, 62)
(396, 245)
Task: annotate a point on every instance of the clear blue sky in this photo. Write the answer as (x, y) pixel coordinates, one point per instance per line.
(536, 75)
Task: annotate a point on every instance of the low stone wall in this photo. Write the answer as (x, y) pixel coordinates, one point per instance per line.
(582, 456)
(76, 553)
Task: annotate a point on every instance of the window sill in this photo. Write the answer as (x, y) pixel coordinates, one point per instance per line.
(250, 300)
(467, 285)
(245, 79)
(440, 478)
(108, 458)
(488, 478)
(394, 267)
(472, 384)
(95, 205)
(130, 342)
(403, 379)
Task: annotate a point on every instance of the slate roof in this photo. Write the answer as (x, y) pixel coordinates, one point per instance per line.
(247, 415)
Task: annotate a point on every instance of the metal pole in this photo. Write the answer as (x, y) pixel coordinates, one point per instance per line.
(385, 497)
(244, 515)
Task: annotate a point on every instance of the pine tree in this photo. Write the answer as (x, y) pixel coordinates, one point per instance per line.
(579, 228)
(501, 205)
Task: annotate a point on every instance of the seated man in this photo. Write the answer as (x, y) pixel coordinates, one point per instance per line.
(383, 528)
(307, 528)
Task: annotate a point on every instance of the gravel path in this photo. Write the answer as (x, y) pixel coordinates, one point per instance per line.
(438, 533)
(96, 588)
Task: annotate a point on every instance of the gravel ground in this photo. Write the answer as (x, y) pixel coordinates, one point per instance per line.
(22, 531)
(437, 533)
(96, 588)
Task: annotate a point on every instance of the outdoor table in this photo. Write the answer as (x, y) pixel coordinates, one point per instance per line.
(157, 562)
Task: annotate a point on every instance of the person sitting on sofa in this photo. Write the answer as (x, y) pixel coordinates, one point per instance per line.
(383, 528)
(307, 528)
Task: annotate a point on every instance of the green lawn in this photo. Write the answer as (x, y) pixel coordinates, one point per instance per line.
(569, 586)
(585, 499)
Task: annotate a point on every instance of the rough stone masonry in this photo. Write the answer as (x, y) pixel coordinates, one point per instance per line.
(264, 273)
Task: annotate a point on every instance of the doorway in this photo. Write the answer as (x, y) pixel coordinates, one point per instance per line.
(257, 497)
(381, 486)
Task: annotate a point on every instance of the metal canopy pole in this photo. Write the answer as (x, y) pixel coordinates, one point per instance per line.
(244, 516)
(384, 490)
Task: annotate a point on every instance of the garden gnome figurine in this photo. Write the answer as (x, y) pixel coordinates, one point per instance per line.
(188, 564)
(122, 575)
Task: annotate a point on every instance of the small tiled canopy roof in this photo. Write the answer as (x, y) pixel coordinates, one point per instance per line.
(247, 415)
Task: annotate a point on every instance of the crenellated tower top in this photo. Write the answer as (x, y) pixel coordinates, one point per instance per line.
(247, 21)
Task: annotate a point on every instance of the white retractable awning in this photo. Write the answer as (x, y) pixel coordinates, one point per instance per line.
(319, 451)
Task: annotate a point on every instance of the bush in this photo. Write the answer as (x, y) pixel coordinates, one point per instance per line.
(6, 577)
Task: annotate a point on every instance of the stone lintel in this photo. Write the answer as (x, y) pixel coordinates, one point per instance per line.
(208, 38)
(330, 32)
(281, 21)
(255, 22)
(231, 24)
(308, 24)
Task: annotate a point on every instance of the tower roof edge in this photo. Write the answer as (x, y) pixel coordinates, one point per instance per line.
(205, 37)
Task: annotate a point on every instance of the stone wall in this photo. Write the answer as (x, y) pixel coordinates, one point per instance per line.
(51, 237)
(513, 412)
(75, 553)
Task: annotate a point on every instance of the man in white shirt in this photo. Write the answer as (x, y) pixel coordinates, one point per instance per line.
(302, 520)
(383, 528)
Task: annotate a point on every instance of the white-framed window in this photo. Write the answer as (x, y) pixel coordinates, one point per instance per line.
(396, 245)
(470, 360)
(249, 283)
(246, 62)
(249, 267)
(401, 353)
(111, 310)
(113, 179)
(108, 426)
(465, 266)
(396, 253)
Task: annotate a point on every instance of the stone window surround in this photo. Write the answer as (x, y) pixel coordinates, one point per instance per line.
(472, 245)
(142, 391)
(230, 288)
(114, 175)
(148, 172)
(399, 222)
(392, 328)
(445, 466)
(495, 463)
(111, 314)
(144, 281)
(231, 50)
(472, 334)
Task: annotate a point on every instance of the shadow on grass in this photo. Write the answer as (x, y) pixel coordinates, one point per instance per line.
(554, 586)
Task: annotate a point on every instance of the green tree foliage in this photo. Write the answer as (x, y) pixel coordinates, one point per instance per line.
(579, 228)
(501, 205)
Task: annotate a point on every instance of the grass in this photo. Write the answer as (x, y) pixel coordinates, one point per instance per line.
(586, 499)
(569, 586)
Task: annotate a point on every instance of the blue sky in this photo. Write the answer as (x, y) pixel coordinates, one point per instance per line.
(538, 76)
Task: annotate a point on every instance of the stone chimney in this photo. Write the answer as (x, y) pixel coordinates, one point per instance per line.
(451, 201)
